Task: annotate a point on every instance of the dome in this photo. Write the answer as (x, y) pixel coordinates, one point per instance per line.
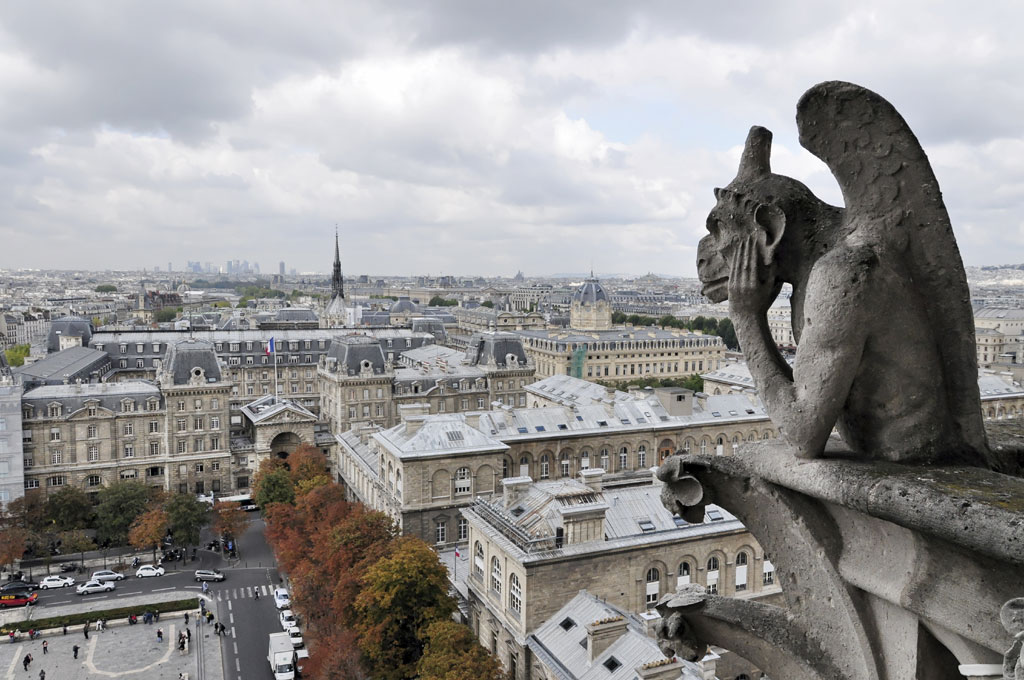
(590, 292)
(403, 306)
(68, 326)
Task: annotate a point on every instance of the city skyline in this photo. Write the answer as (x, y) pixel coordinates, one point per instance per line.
(472, 138)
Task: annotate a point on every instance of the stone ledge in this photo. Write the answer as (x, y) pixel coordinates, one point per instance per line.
(978, 509)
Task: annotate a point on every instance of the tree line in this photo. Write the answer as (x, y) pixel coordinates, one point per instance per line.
(376, 603)
(708, 325)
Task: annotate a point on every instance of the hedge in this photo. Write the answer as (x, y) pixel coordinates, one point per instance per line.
(81, 618)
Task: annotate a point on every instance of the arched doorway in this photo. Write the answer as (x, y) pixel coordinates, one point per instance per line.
(283, 444)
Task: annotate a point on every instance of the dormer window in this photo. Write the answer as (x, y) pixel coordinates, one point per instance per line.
(54, 410)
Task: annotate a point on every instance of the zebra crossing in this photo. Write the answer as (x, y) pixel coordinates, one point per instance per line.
(246, 593)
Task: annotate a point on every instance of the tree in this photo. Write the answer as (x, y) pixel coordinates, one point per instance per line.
(229, 520)
(76, 541)
(693, 382)
(335, 657)
(13, 544)
(727, 332)
(119, 504)
(451, 652)
(69, 508)
(272, 483)
(106, 288)
(186, 515)
(402, 594)
(148, 530)
(16, 354)
(164, 315)
(438, 301)
(243, 301)
(306, 462)
(488, 304)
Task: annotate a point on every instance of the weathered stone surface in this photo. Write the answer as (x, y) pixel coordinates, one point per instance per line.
(880, 305)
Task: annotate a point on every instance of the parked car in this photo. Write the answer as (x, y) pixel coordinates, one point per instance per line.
(56, 582)
(296, 636)
(209, 575)
(23, 598)
(18, 586)
(250, 507)
(149, 570)
(281, 598)
(95, 587)
(68, 567)
(106, 575)
(288, 620)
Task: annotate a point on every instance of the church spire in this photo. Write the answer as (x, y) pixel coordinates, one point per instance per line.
(337, 282)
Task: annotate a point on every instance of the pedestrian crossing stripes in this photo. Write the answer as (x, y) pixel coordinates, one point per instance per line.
(244, 593)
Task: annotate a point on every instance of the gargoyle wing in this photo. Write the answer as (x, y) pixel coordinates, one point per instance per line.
(894, 202)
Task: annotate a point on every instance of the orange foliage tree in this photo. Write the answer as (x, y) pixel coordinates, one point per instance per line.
(229, 520)
(148, 530)
(453, 653)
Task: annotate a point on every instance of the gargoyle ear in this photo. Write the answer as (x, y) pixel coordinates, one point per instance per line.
(772, 219)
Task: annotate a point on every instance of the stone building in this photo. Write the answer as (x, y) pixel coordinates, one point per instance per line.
(423, 470)
(590, 309)
(336, 313)
(623, 354)
(487, 319)
(12, 478)
(531, 548)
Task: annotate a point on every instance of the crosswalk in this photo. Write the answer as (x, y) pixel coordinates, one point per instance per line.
(223, 594)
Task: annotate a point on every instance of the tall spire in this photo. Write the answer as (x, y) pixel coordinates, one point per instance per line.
(337, 282)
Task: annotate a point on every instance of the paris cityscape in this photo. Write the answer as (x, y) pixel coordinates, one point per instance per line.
(359, 342)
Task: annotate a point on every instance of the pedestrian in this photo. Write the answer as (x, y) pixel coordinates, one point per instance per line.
(156, 615)
(209, 617)
(42, 674)
(256, 591)
(186, 618)
(65, 629)
(103, 625)
(74, 650)
(188, 633)
(26, 661)
(46, 646)
(159, 635)
(206, 587)
(11, 635)
(98, 625)
(181, 645)
(85, 629)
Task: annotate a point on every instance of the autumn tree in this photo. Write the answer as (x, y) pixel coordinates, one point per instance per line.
(13, 543)
(119, 504)
(272, 483)
(402, 594)
(148, 530)
(76, 541)
(451, 652)
(335, 656)
(186, 515)
(229, 520)
(306, 462)
(69, 508)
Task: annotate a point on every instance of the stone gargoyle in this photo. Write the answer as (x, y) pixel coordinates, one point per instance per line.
(880, 305)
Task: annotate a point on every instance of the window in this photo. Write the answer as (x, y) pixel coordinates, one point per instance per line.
(496, 575)
(154, 448)
(215, 403)
(93, 454)
(214, 443)
(199, 467)
(769, 572)
(181, 446)
(441, 532)
(478, 560)
(57, 480)
(463, 529)
(604, 459)
(182, 425)
(154, 426)
(653, 581)
(585, 460)
(54, 434)
(197, 423)
(181, 405)
(463, 482)
(128, 474)
(129, 450)
(93, 480)
(92, 412)
(565, 464)
(90, 432)
(515, 594)
(56, 457)
(197, 404)
(641, 457)
(31, 483)
(684, 574)
(741, 571)
(623, 455)
(544, 466)
(129, 429)
(713, 575)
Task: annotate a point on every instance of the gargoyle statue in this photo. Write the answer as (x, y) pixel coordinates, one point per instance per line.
(880, 305)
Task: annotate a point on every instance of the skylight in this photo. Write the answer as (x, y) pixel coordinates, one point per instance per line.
(602, 423)
(716, 414)
(454, 436)
(522, 430)
(540, 428)
(579, 418)
(715, 515)
(611, 663)
(563, 426)
(646, 525)
(567, 623)
(625, 421)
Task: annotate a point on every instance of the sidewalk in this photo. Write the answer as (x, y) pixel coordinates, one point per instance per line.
(120, 651)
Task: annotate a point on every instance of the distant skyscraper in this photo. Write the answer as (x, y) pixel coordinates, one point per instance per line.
(280, 267)
(228, 268)
(169, 267)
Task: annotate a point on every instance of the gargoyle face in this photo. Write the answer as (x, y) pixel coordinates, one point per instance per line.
(727, 225)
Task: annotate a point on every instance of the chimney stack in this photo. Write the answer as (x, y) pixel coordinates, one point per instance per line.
(602, 634)
(593, 478)
(512, 489)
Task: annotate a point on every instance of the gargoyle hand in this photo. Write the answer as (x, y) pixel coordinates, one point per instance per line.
(749, 291)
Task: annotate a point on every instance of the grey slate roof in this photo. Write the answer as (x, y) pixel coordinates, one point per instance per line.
(184, 356)
(266, 407)
(69, 365)
(403, 305)
(437, 435)
(496, 349)
(73, 326)
(296, 314)
(590, 292)
(353, 353)
(109, 395)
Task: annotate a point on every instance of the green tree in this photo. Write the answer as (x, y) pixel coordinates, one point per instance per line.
(119, 504)
(272, 483)
(438, 301)
(186, 515)
(451, 652)
(727, 332)
(488, 304)
(164, 315)
(76, 541)
(693, 382)
(243, 301)
(106, 288)
(69, 508)
(16, 354)
(402, 594)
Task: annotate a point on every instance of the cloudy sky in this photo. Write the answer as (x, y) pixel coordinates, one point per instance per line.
(476, 137)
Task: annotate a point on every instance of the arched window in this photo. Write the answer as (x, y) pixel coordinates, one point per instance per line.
(623, 457)
(767, 435)
(585, 460)
(504, 467)
(478, 561)
(496, 575)
(545, 467)
(684, 573)
(741, 571)
(712, 575)
(398, 483)
(524, 466)
(653, 583)
(515, 594)
(641, 457)
(768, 573)
(564, 464)
(604, 460)
(462, 481)
(703, 447)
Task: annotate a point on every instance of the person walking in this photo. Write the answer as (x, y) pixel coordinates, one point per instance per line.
(46, 646)
(159, 635)
(74, 650)
(85, 630)
(26, 661)
(256, 591)
(42, 674)
(186, 618)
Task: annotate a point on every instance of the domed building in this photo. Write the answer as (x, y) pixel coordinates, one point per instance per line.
(591, 309)
(402, 310)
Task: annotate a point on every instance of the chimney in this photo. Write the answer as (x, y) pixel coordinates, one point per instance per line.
(678, 401)
(650, 620)
(702, 400)
(602, 634)
(662, 669)
(512, 489)
(593, 478)
(412, 416)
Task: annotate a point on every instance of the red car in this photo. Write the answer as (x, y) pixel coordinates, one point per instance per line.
(18, 599)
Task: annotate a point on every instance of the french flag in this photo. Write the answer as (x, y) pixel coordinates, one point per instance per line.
(270, 347)
(457, 553)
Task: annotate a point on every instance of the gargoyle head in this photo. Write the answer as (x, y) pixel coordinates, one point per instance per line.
(755, 201)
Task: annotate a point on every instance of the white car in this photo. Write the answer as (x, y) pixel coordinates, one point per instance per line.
(296, 636)
(56, 582)
(107, 575)
(288, 620)
(149, 570)
(95, 587)
(281, 598)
